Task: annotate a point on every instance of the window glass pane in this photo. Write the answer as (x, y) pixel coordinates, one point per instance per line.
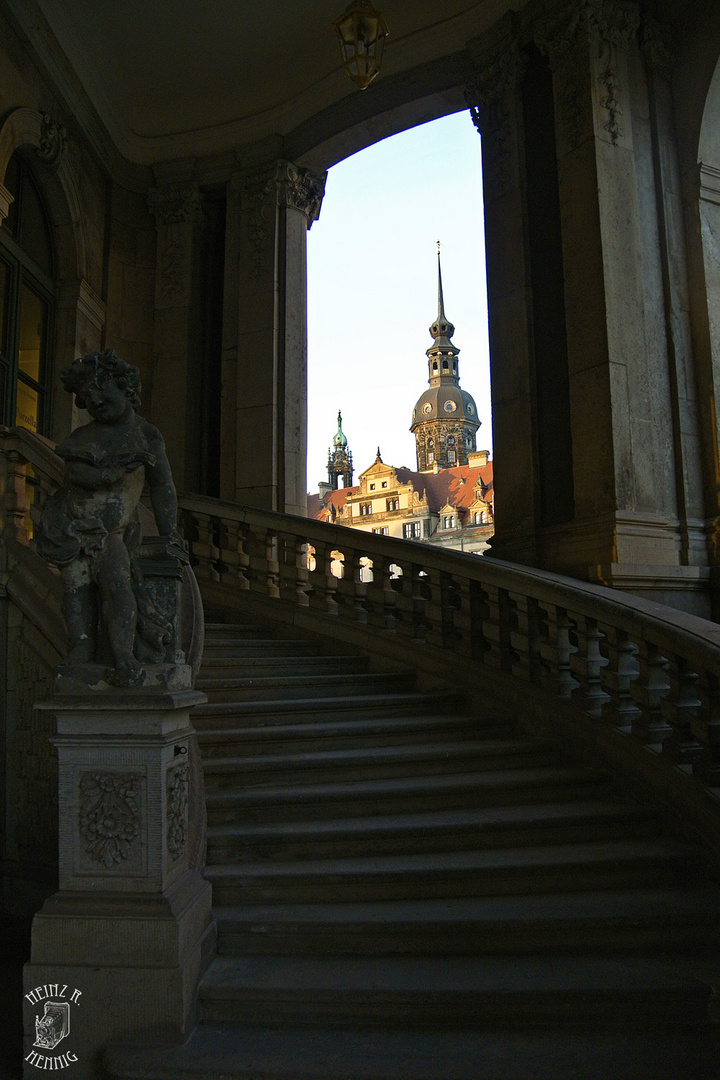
(28, 403)
(32, 330)
(34, 237)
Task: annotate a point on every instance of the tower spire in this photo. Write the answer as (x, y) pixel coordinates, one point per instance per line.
(441, 305)
(340, 463)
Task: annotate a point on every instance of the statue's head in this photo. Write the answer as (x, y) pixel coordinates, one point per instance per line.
(90, 375)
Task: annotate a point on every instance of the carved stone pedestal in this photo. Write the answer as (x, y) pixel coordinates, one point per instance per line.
(120, 948)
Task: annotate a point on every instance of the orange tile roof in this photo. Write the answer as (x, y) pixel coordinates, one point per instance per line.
(455, 487)
(334, 502)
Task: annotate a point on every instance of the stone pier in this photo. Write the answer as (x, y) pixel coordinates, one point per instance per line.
(120, 947)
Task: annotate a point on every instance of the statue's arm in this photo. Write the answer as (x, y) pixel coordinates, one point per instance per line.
(163, 496)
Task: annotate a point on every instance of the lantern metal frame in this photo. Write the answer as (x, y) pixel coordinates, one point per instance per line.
(362, 31)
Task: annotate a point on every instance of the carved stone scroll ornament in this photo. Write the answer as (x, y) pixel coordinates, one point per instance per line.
(53, 140)
(611, 24)
(303, 190)
(109, 815)
(174, 203)
(176, 786)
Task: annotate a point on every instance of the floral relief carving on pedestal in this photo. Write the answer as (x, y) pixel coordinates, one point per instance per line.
(176, 789)
(109, 815)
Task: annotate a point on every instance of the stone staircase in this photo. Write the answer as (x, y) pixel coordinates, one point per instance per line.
(405, 892)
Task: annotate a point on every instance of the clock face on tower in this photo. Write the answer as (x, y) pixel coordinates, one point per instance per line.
(449, 406)
(427, 407)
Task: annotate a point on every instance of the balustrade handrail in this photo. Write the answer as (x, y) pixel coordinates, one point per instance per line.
(603, 664)
(634, 614)
(593, 656)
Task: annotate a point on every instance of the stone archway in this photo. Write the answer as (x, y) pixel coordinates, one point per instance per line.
(80, 312)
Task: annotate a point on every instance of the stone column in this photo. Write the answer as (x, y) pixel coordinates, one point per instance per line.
(492, 95)
(177, 375)
(265, 352)
(120, 948)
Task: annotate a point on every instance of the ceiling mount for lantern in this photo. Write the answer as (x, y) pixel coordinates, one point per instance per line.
(362, 31)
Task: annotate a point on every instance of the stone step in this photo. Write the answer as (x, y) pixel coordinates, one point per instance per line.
(217, 668)
(495, 872)
(363, 763)
(673, 919)
(453, 830)
(230, 648)
(242, 630)
(510, 992)
(353, 798)
(343, 734)
(243, 713)
(284, 685)
(224, 1051)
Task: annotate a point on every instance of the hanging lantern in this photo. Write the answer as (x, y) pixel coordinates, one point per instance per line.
(362, 31)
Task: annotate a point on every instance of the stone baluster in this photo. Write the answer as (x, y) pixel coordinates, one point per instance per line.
(479, 611)
(421, 595)
(42, 488)
(434, 608)
(204, 548)
(381, 597)
(449, 607)
(706, 725)
(650, 691)
(682, 746)
(238, 561)
(263, 567)
(590, 664)
(323, 582)
(559, 650)
(621, 672)
(294, 575)
(507, 630)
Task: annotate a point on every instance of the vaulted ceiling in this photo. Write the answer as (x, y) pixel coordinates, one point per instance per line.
(168, 77)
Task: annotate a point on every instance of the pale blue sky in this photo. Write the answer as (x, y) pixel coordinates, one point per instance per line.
(372, 289)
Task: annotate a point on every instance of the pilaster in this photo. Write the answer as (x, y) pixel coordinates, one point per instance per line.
(493, 96)
(177, 378)
(266, 359)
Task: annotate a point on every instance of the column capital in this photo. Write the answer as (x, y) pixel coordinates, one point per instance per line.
(289, 184)
(615, 22)
(491, 94)
(174, 203)
(53, 141)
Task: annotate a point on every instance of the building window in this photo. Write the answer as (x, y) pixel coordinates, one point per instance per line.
(392, 504)
(451, 440)
(448, 521)
(372, 487)
(27, 291)
(411, 531)
(384, 483)
(431, 458)
(451, 455)
(382, 531)
(365, 508)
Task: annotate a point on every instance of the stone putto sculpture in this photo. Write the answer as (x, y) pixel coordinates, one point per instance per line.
(90, 528)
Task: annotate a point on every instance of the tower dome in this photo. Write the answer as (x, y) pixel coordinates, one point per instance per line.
(444, 420)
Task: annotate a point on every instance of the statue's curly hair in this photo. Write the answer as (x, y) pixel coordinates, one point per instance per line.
(126, 376)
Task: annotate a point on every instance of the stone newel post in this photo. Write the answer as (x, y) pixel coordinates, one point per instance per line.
(130, 927)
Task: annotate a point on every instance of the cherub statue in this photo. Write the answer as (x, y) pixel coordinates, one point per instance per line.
(90, 527)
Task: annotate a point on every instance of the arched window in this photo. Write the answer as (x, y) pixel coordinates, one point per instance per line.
(27, 290)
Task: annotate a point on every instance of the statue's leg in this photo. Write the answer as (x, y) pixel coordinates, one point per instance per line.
(80, 610)
(111, 570)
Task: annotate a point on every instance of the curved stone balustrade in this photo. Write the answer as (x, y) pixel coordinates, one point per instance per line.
(612, 674)
(623, 673)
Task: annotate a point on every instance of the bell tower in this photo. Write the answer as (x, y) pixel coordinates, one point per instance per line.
(340, 462)
(444, 419)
